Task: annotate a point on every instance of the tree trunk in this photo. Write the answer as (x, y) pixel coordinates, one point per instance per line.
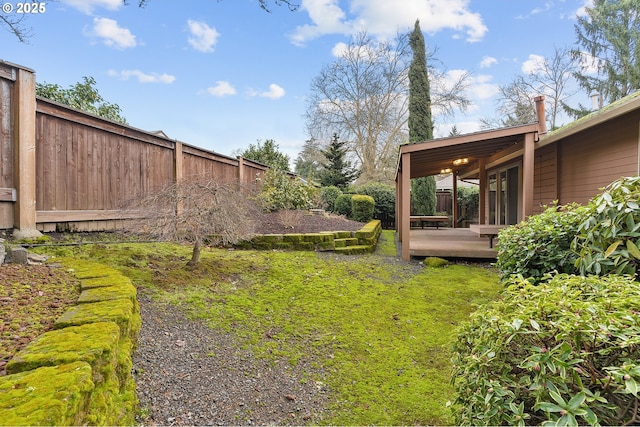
(195, 255)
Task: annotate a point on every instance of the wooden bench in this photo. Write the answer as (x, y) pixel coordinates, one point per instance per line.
(421, 219)
(486, 230)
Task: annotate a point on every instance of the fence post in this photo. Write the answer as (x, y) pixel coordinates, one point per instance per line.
(178, 173)
(241, 170)
(24, 157)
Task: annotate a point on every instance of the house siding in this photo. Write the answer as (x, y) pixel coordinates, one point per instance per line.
(589, 161)
(545, 178)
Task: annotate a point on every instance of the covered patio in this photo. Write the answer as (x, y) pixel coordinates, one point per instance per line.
(502, 161)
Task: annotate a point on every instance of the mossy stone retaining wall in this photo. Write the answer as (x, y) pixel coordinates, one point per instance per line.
(79, 373)
(346, 242)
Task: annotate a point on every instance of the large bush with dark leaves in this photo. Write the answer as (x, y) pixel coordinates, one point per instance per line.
(541, 243)
(609, 237)
(564, 352)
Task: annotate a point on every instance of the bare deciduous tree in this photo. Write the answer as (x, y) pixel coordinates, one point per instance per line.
(552, 80)
(197, 210)
(363, 96)
(550, 77)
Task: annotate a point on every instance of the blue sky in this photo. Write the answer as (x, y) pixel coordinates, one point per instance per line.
(223, 74)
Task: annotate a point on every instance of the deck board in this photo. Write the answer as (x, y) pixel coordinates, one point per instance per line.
(450, 243)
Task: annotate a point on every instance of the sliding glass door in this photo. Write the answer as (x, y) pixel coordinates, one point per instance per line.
(504, 195)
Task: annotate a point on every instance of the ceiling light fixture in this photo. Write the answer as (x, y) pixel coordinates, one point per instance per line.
(444, 171)
(458, 162)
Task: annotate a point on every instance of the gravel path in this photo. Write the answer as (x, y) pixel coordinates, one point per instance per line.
(189, 374)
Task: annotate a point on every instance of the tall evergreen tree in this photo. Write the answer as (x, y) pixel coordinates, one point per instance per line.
(309, 160)
(423, 190)
(610, 33)
(337, 170)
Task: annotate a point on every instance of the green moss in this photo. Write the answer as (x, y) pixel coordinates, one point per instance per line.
(283, 245)
(107, 280)
(107, 293)
(387, 244)
(94, 343)
(56, 395)
(34, 241)
(267, 238)
(317, 237)
(326, 246)
(342, 234)
(340, 243)
(263, 246)
(293, 238)
(304, 246)
(83, 269)
(355, 250)
(435, 262)
(120, 311)
(392, 368)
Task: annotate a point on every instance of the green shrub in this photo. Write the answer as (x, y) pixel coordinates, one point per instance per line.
(468, 202)
(281, 191)
(342, 205)
(384, 196)
(541, 243)
(328, 196)
(564, 352)
(609, 237)
(362, 208)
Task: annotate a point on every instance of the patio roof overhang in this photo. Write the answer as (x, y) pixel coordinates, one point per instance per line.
(431, 157)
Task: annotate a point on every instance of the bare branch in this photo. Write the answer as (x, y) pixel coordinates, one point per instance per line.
(197, 210)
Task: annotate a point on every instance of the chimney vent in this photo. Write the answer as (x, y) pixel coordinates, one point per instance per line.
(542, 119)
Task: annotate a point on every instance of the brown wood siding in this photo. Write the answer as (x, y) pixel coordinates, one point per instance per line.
(6, 150)
(591, 160)
(545, 178)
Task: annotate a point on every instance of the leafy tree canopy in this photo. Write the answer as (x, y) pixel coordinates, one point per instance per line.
(268, 154)
(82, 96)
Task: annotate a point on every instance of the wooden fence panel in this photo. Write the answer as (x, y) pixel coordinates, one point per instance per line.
(88, 169)
(87, 164)
(6, 150)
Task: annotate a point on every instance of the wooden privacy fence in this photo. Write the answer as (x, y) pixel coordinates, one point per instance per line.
(63, 168)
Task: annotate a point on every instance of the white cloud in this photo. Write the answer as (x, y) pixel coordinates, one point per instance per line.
(481, 87)
(327, 18)
(274, 92)
(342, 49)
(339, 49)
(589, 64)
(488, 61)
(203, 37)
(112, 34)
(222, 88)
(143, 77)
(87, 6)
(383, 18)
(534, 64)
(582, 10)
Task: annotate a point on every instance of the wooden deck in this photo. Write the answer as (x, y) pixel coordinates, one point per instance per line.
(450, 243)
